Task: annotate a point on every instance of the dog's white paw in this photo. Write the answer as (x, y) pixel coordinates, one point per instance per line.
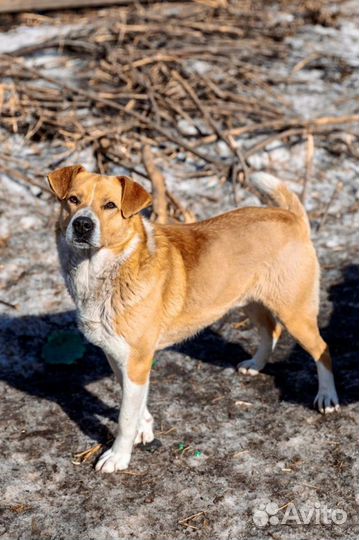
(111, 461)
(249, 367)
(145, 432)
(327, 401)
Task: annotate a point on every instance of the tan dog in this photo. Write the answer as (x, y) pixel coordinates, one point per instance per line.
(140, 286)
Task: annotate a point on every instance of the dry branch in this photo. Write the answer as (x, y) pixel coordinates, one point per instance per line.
(308, 166)
(159, 201)
(11, 6)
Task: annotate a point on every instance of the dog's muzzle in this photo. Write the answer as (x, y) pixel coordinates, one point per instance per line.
(83, 227)
(83, 230)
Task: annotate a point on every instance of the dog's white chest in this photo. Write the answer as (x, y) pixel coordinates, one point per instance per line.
(90, 283)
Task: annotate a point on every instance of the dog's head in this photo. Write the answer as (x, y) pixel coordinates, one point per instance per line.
(96, 210)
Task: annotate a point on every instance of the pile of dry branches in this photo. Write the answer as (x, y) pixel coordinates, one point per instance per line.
(177, 77)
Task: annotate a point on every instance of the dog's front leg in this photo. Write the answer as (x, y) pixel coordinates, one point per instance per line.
(145, 427)
(134, 397)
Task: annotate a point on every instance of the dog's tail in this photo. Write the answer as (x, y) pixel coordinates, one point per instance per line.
(279, 195)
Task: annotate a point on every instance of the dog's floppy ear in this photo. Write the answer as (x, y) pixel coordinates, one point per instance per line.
(134, 197)
(60, 179)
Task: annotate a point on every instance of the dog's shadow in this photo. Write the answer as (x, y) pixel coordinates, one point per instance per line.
(22, 367)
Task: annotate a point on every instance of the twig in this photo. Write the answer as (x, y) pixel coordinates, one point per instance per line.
(189, 518)
(300, 65)
(187, 215)
(87, 455)
(20, 177)
(8, 304)
(268, 140)
(167, 431)
(237, 454)
(296, 123)
(308, 166)
(159, 201)
(323, 219)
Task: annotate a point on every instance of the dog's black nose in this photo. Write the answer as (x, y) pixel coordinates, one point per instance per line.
(83, 226)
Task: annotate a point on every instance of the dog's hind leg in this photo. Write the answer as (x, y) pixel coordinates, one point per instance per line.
(269, 332)
(304, 328)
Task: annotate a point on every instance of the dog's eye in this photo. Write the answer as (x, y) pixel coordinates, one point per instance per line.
(110, 205)
(74, 200)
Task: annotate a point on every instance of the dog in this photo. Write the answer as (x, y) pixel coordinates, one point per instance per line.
(140, 286)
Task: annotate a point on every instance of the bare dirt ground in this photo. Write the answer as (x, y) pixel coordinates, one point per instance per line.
(229, 445)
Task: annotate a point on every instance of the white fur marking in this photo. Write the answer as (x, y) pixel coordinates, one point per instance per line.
(249, 367)
(145, 429)
(93, 295)
(130, 249)
(264, 182)
(151, 243)
(132, 410)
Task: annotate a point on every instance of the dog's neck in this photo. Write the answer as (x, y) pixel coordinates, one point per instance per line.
(91, 272)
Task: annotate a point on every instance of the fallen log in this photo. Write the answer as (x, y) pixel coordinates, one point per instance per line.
(12, 6)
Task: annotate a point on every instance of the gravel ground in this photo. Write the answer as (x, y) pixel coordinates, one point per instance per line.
(229, 446)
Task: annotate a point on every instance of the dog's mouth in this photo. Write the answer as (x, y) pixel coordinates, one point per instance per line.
(83, 243)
